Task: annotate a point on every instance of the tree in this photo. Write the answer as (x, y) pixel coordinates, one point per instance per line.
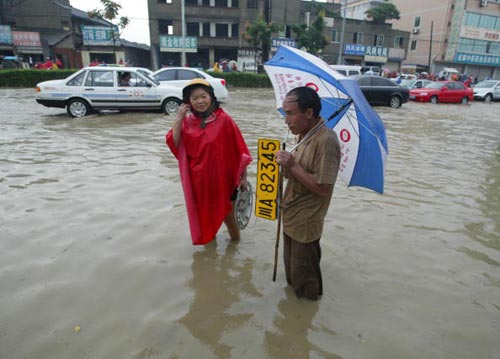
(258, 35)
(383, 12)
(110, 12)
(311, 38)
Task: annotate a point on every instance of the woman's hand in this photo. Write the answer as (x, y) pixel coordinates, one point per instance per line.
(182, 112)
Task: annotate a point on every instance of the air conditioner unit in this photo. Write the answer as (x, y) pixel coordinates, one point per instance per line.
(483, 3)
(415, 30)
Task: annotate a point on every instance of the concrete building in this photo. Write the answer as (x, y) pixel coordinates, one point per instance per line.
(364, 43)
(462, 34)
(213, 29)
(33, 30)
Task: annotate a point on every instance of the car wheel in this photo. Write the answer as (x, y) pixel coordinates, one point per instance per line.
(465, 100)
(395, 101)
(78, 108)
(488, 98)
(434, 99)
(170, 106)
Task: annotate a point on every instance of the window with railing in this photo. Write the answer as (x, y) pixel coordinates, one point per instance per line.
(358, 38)
(378, 40)
(398, 42)
(413, 45)
(335, 35)
(252, 4)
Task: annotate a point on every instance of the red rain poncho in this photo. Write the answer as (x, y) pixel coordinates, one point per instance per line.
(211, 161)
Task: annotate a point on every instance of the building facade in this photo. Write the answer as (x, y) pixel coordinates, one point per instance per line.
(463, 34)
(213, 29)
(33, 30)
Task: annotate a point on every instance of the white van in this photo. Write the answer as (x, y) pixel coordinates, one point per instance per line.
(347, 70)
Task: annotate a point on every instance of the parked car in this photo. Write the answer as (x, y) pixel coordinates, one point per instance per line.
(382, 91)
(347, 70)
(415, 83)
(99, 88)
(180, 77)
(487, 90)
(443, 91)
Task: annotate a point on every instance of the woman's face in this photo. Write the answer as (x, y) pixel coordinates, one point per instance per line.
(200, 99)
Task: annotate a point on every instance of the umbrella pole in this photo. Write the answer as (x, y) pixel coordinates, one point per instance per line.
(280, 207)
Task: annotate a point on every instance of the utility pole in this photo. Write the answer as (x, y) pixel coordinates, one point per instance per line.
(341, 45)
(183, 16)
(430, 49)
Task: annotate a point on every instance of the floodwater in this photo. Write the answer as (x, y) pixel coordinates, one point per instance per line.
(96, 259)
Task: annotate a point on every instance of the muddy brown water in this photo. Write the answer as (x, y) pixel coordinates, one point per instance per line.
(96, 259)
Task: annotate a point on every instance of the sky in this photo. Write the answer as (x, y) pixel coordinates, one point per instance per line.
(136, 11)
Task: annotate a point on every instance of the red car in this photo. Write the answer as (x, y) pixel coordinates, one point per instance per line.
(443, 91)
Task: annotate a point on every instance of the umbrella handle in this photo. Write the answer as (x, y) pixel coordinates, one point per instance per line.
(278, 231)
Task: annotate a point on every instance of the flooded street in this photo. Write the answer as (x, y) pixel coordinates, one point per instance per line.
(96, 258)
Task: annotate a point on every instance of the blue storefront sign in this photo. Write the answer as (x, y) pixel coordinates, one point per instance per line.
(5, 35)
(176, 44)
(277, 41)
(100, 35)
(477, 59)
(354, 49)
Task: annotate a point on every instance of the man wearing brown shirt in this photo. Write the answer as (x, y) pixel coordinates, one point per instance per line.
(311, 169)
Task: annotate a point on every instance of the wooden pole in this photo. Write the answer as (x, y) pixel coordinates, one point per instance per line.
(280, 207)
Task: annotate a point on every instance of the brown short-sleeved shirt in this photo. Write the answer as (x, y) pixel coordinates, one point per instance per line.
(303, 211)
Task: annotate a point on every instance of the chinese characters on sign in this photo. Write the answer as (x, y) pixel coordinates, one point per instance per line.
(277, 41)
(175, 44)
(26, 39)
(354, 49)
(100, 35)
(5, 34)
(466, 58)
(376, 54)
(480, 34)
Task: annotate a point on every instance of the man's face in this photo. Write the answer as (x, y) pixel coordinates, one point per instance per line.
(297, 121)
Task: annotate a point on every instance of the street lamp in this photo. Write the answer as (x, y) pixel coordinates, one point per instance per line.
(341, 45)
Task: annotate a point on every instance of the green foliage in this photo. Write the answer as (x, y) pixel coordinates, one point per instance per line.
(317, 8)
(383, 12)
(110, 12)
(243, 79)
(312, 38)
(258, 34)
(29, 78)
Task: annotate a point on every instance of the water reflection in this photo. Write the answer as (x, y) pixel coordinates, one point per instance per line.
(294, 325)
(218, 282)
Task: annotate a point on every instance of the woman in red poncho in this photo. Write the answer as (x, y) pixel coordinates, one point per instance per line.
(212, 159)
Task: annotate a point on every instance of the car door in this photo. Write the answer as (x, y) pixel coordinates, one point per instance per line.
(364, 83)
(383, 89)
(496, 91)
(448, 93)
(140, 93)
(99, 88)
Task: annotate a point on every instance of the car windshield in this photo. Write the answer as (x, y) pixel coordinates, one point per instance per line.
(485, 84)
(435, 85)
(408, 83)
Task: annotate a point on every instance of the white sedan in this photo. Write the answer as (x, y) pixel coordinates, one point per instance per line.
(181, 76)
(102, 88)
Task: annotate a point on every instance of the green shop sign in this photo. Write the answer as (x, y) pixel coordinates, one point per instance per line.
(176, 43)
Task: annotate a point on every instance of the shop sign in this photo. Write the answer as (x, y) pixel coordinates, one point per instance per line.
(5, 35)
(277, 41)
(376, 54)
(478, 59)
(396, 54)
(480, 33)
(101, 35)
(354, 49)
(176, 43)
(26, 39)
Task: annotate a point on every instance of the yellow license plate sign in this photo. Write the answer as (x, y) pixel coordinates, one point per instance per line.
(266, 192)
